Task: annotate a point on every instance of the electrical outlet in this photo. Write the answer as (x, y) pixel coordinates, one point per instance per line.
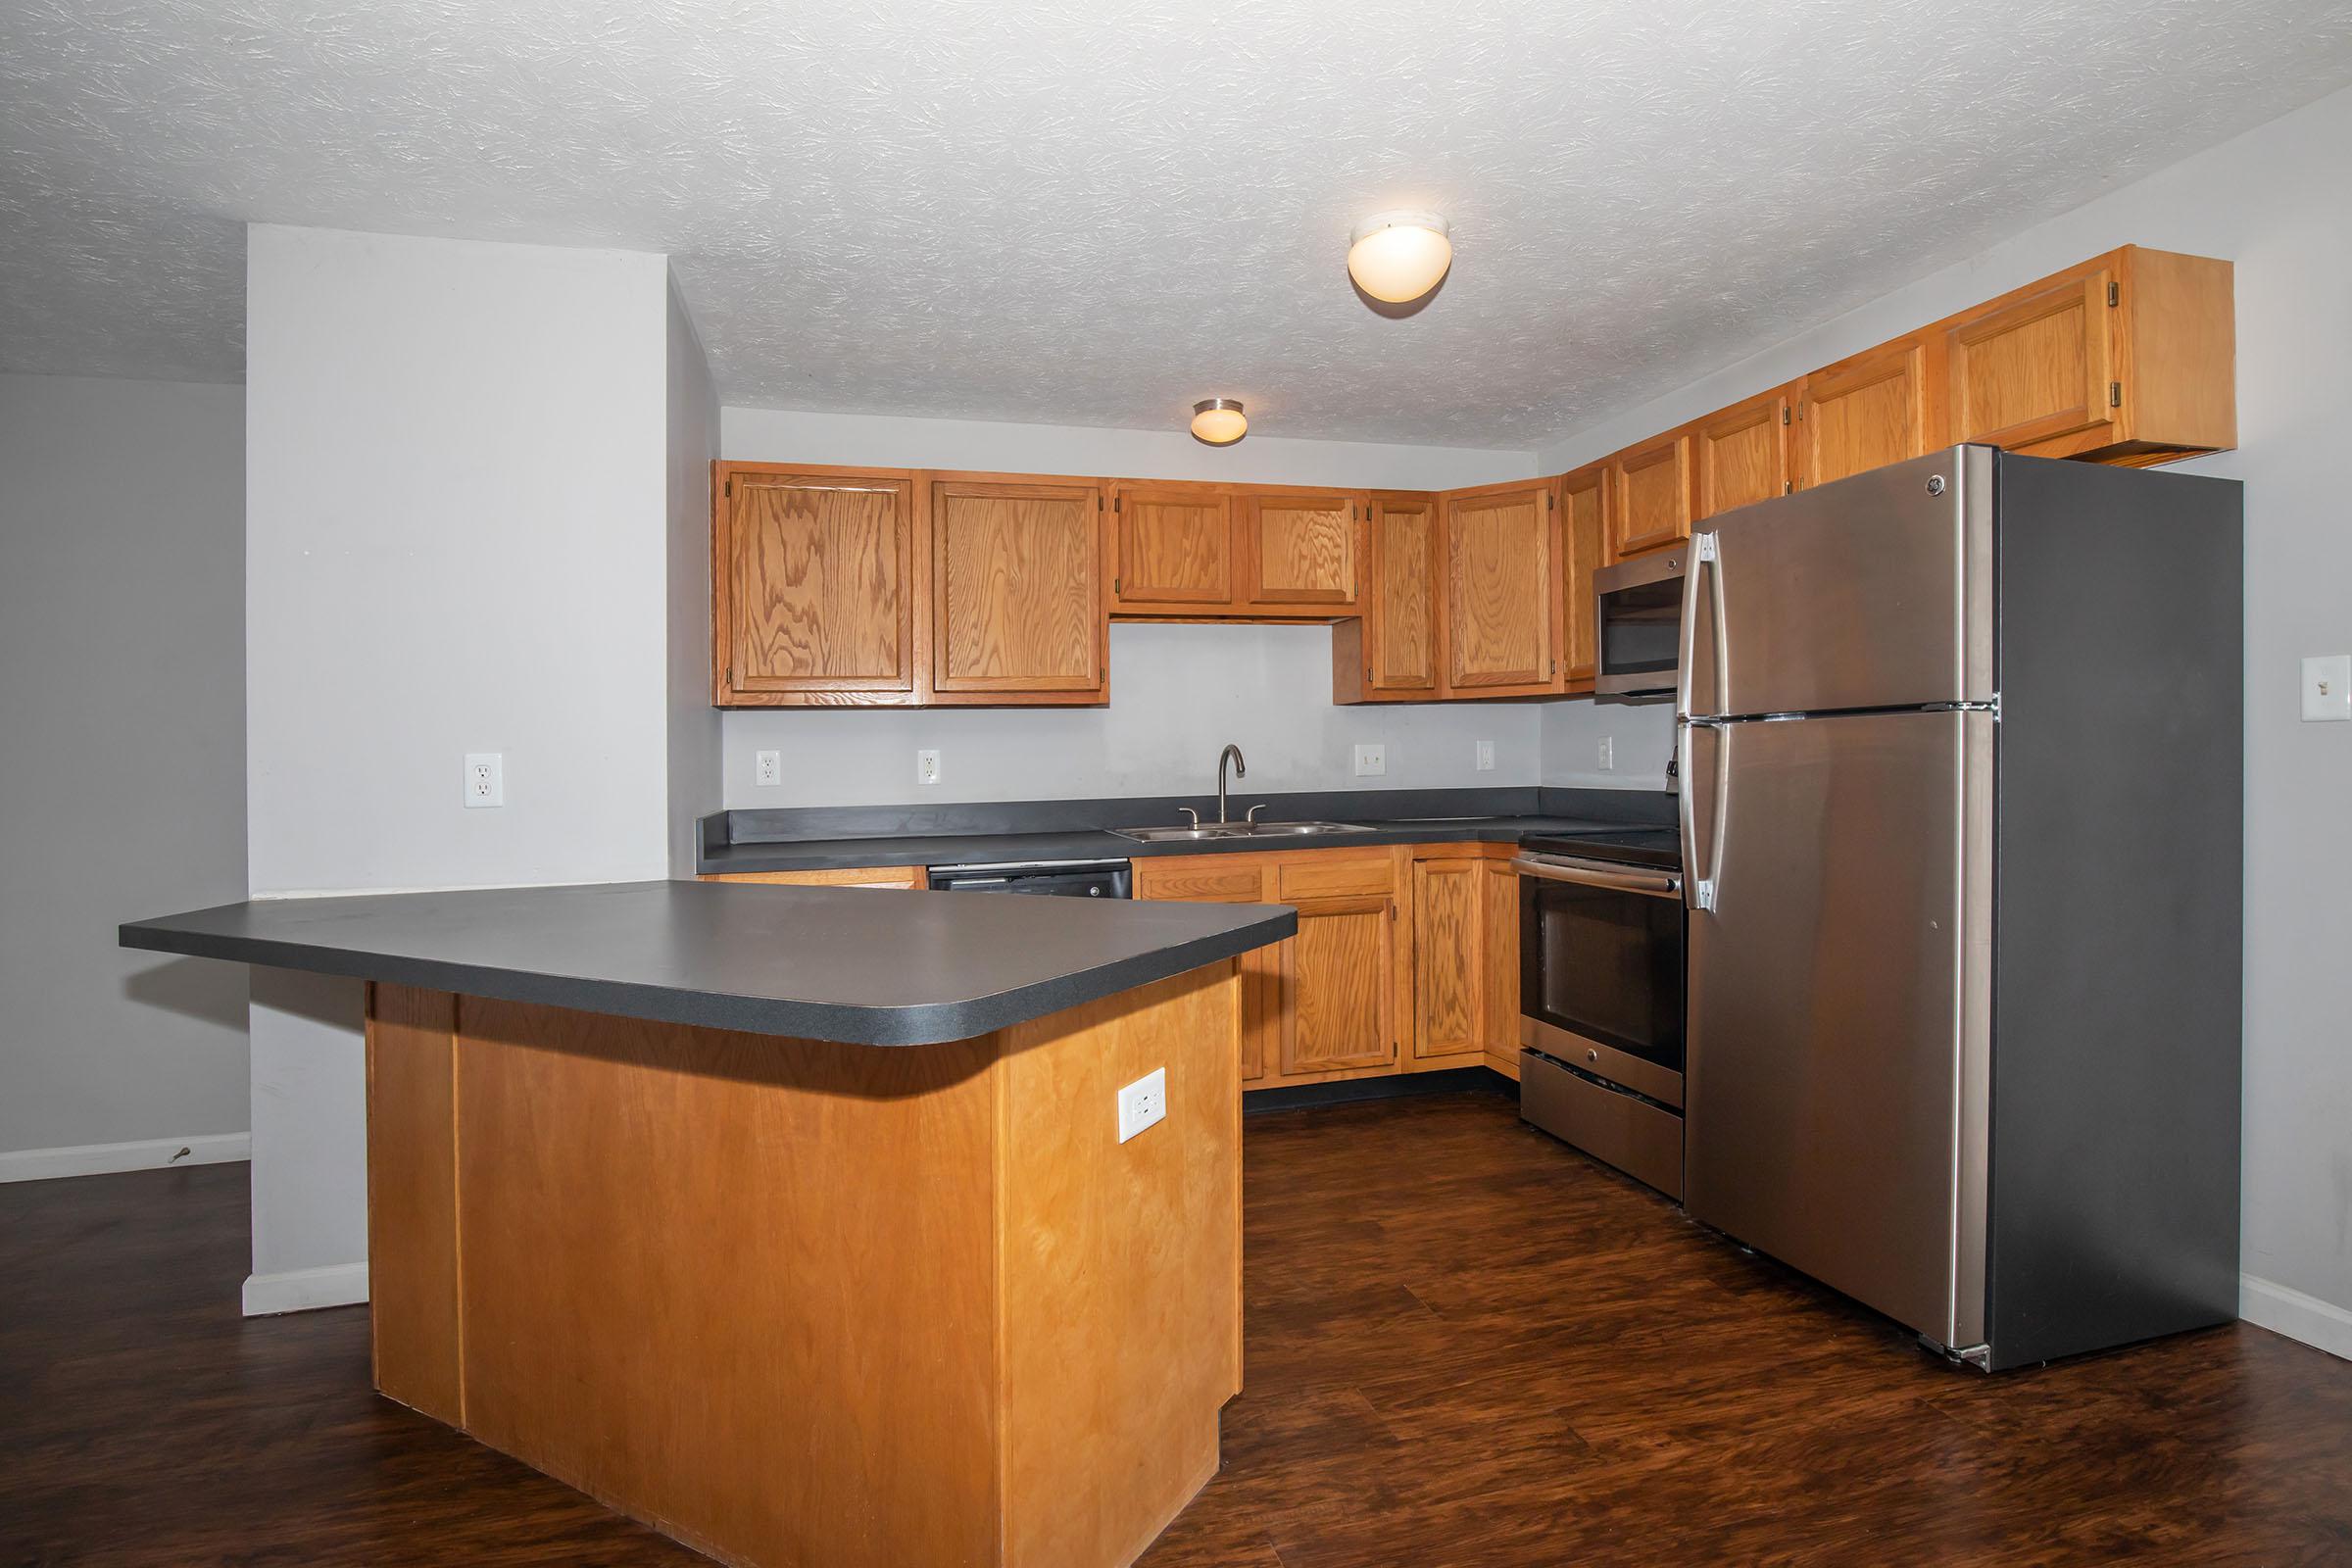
(926, 768)
(2327, 688)
(1371, 759)
(1485, 756)
(768, 767)
(1608, 754)
(485, 780)
(1143, 1102)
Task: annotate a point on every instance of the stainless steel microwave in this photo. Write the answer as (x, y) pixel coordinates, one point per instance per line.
(1640, 622)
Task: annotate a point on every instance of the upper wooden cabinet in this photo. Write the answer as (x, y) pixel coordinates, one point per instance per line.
(1298, 550)
(1863, 413)
(2130, 357)
(1502, 591)
(1213, 552)
(813, 584)
(1174, 547)
(1743, 453)
(1584, 531)
(1649, 496)
(1018, 587)
(1392, 653)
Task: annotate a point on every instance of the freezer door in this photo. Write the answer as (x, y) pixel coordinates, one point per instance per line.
(1839, 1010)
(1875, 591)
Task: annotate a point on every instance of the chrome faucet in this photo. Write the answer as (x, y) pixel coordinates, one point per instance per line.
(1241, 769)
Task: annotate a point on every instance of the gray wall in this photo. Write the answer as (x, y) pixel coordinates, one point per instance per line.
(1178, 693)
(2274, 201)
(692, 420)
(121, 771)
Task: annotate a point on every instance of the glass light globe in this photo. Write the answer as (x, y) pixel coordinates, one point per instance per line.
(1219, 421)
(1399, 256)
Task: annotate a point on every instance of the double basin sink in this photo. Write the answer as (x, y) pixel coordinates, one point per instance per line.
(1235, 830)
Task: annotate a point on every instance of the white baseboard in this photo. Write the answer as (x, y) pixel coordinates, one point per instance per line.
(302, 1289)
(100, 1160)
(2284, 1310)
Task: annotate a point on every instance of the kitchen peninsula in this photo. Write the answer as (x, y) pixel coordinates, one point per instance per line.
(796, 1222)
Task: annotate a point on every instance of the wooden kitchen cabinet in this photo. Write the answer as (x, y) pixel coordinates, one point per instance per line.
(1391, 650)
(1649, 496)
(1583, 535)
(813, 585)
(1498, 902)
(906, 878)
(1298, 550)
(1018, 600)
(1229, 879)
(1743, 453)
(2130, 357)
(1504, 591)
(1172, 547)
(1863, 413)
(1449, 941)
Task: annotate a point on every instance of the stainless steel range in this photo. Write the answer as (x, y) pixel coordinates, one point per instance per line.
(1600, 996)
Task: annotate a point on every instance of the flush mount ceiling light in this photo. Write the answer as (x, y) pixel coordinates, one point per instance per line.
(1219, 421)
(1396, 257)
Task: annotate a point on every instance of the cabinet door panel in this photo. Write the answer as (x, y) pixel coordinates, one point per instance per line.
(2035, 369)
(1401, 614)
(1743, 454)
(1502, 582)
(819, 581)
(1651, 496)
(1204, 879)
(1864, 413)
(1301, 549)
(1448, 958)
(1018, 587)
(1175, 546)
(1498, 1022)
(1584, 528)
(1338, 984)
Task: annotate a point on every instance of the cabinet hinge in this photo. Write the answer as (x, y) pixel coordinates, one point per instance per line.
(730, 487)
(1118, 585)
(730, 674)
(1550, 501)
(2115, 394)
(1392, 908)
(2115, 295)
(1114, 501)
(1788, 487)
(1784, 416)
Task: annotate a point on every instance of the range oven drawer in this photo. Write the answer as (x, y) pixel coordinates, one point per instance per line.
(1612, 1125)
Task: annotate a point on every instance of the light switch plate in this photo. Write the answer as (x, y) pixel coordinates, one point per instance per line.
(2327, 688)
(1608, 754)
(1143, 1102)
(1371, 759)
(1485, 756)
(768, 767)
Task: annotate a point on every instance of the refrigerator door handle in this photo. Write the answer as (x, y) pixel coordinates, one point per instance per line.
(1707, 562)
(1699, 885)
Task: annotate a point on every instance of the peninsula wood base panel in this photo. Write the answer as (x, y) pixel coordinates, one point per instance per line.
(795, 1302)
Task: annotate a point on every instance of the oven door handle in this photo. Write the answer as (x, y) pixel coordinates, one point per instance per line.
(1597, 874)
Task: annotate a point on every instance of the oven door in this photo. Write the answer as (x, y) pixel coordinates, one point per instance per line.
(1640, 616)
(1601, 969)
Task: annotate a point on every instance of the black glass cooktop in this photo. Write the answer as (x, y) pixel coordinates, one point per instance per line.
(1630, 846)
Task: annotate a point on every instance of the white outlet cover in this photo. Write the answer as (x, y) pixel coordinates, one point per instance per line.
(1371, 759)
(2327, 688)
(768, 767)
(1608, 754)
(485, 781)
(926, 768)
(1144, 1103)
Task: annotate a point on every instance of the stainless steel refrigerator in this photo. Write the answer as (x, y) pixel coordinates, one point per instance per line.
(1962, 805)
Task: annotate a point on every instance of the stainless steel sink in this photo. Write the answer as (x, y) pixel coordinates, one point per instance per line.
(1235, 830)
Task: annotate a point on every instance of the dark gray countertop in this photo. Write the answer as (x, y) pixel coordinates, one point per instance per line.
(827, 838)
(852, 964)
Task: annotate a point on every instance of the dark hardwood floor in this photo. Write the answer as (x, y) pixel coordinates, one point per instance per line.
(1466, 1346)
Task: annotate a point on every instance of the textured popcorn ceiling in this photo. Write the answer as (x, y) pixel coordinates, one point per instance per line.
(1095, 212)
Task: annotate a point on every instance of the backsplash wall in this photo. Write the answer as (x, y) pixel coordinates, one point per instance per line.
(1178, 693)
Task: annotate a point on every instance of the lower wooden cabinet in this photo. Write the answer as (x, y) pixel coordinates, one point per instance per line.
(911, 878)
(1406, 960)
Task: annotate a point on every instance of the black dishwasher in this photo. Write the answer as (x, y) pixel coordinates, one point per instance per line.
(1054, 879)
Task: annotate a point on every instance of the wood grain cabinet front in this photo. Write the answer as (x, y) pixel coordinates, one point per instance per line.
(1584, 532)
(1743, 453)
(1172, 547)
(1298, 550)
(904, 879)
(1649, 496)
(1504, 591)
(813, 578)
(1017, 589)
(1863, 413)
(1390, 653)
(1449, 942)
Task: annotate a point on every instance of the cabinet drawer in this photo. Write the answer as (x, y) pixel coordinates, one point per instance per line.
(1238, 883)
(1335, 876)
